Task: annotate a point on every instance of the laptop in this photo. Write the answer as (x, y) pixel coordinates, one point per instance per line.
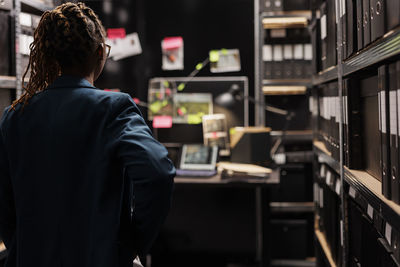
(198, 161)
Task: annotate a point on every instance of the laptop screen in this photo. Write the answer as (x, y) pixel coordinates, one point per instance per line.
(198, 157)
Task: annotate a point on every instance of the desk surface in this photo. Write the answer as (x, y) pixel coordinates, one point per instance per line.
(272, 179)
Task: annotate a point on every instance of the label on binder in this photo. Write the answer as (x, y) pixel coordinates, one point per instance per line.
(321, 198)
(322, 171)
(337, 189)
(278, 53)
(370, 211)
(352, 192)
(383, 112)
(398, 110)
(328, 177)
(288, 52)
(393, 112)
(323, 27)
(341, 232)
(388, 233)
(267, 52)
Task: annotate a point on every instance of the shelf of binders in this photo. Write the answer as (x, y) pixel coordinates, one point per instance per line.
(288, 82)
(3, 251)
(8, 82)
(324, 156)
(292, 207)
(34, 6)
(363, 184)
(378, 51)
(321, 240)
(284, 90)
(325, 76)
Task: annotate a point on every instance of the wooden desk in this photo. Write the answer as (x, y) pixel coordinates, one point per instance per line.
(261, 186)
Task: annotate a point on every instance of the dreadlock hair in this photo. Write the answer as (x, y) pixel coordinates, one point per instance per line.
(65, 37)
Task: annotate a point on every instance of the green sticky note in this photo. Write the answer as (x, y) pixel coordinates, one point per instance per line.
(166, 84)
(183, 110)
(165, 103)
(224, 51)
(199, 66)
(214, 56)
(232, 131)
(181, 87)
(155, 106)
(194, 119)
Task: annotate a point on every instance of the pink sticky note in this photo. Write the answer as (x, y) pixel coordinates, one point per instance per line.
(162, 122)
(170, 43)
(116, 33)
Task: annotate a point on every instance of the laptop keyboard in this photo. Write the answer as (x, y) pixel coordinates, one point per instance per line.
(195, 173)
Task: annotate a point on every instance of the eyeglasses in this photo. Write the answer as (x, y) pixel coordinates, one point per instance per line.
(108, 49)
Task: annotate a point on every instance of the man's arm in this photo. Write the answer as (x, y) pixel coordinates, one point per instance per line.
(147, 167)
(7, 206)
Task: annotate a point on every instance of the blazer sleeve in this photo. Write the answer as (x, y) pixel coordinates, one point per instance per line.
(147, 166)
(7, 206)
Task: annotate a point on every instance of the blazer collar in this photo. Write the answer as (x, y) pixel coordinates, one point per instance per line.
(69, 81)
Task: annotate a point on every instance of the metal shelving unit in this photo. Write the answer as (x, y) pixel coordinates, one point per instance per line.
(33, 6)
(330, 74)
(288, 82)
(321, 241)
(377, 52)
(324, 156)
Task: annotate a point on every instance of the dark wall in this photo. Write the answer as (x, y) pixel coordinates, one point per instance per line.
(203, 24)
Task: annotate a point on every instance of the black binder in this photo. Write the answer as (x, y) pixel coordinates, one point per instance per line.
(378, 17)
(5, 44)
(315, 40)
(332, 30)
(343, 18)
(392, 13)
(394, 151)
(384, 130)
(345, 122)
(366, 22)
(324, 36)
(360, 23)
(351, 33)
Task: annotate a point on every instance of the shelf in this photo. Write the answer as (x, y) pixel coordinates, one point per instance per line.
(293, 207)
(305, 135)
(296, 13)
(324, 156)
(34, 6)
(371, 189)
(325, 248)
(292, 263)
(288, 82)
(3, 251)
(284, 22)
(284, 90)
(7, 82)
(376, 52)
(324, 76)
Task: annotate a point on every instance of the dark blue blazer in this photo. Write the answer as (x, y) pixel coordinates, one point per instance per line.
(82, 181)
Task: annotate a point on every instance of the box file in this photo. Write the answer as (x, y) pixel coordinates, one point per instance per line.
(324, 36)
(384, 130)
(393, 126)
(351, 23)
(332, 29)
(392, 14)
(366, 22)
(378, 16)
(360, 24)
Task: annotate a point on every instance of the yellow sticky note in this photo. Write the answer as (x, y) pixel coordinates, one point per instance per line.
(181, 87)
(155, 106)
(224, 51)
(165, 103)
(199, 66)
(194, 119)
(214, 56)
(166, 84)
(232, 131)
